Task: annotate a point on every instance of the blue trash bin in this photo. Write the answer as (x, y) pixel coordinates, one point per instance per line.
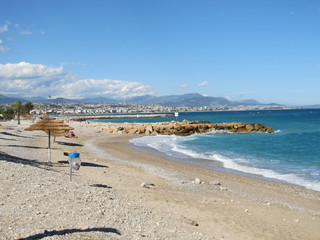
(73, 155)
(74, 162)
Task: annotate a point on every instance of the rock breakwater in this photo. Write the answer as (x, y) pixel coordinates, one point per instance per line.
(183, 128)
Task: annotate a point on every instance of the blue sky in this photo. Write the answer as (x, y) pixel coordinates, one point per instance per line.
(268, 50)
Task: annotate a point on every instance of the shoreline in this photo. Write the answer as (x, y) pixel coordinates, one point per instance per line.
(110, 198)
(188, 172)
(214, 165)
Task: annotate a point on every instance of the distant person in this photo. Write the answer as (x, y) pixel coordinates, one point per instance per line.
(71, 135)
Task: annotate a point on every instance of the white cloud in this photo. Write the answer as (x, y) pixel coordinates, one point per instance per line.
(4, 28)
(104, 87)
(203, 84)
(26, 79)
(27, 70)
(25, 32)
(8, 30)
(3, 48)
(184, 85)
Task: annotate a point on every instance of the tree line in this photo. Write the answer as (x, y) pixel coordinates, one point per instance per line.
(16, 109)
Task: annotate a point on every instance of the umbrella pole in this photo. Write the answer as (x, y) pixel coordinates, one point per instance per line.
(49, 149)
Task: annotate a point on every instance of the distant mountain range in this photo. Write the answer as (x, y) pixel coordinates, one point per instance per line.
(185, 100)
(4, 99)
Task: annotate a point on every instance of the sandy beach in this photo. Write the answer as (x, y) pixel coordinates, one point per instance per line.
(122, 193)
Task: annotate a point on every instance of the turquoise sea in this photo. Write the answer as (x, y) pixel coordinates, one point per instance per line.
(291, 154)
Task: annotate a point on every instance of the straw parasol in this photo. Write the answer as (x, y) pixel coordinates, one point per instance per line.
(51, 126)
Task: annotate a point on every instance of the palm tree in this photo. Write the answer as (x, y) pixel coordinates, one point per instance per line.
(7, 113)
(27, 107)
(18, 109)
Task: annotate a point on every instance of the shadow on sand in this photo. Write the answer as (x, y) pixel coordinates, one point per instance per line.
(13, 135)
(70, 144)
(100, 186)
(86, 164)
(24, 146)
(68, 231)
(9, 158)
(8, 139)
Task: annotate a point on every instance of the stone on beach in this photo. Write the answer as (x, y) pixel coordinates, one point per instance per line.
(215, 182)
(190, 221)
(147, 185)
(198, 181)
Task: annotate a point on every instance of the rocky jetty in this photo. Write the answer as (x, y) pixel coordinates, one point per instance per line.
(183, 128)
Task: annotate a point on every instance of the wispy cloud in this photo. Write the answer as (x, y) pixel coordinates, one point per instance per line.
(4, 28)
(25, 32)
(203, 84)
(3, 48)
(9, 31)
(73, 63)
(27, 79)
(184, 85)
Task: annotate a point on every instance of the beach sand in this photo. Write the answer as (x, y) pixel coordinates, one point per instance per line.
(122, 193)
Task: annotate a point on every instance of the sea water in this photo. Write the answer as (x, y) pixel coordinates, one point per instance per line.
(291, 154)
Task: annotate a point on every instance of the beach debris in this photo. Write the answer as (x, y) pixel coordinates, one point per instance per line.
(190, 221)
(100, 185)
(147, 185)
(215, 182)
(198, 181)
(223, 188)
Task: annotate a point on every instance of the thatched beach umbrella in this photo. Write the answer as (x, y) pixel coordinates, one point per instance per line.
(51, 126)
(57, 133)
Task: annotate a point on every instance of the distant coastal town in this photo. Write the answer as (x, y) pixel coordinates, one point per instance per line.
(127, 108)
(192, 102)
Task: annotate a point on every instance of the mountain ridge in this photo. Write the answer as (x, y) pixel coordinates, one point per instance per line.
(8, 100)
(184, 100)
